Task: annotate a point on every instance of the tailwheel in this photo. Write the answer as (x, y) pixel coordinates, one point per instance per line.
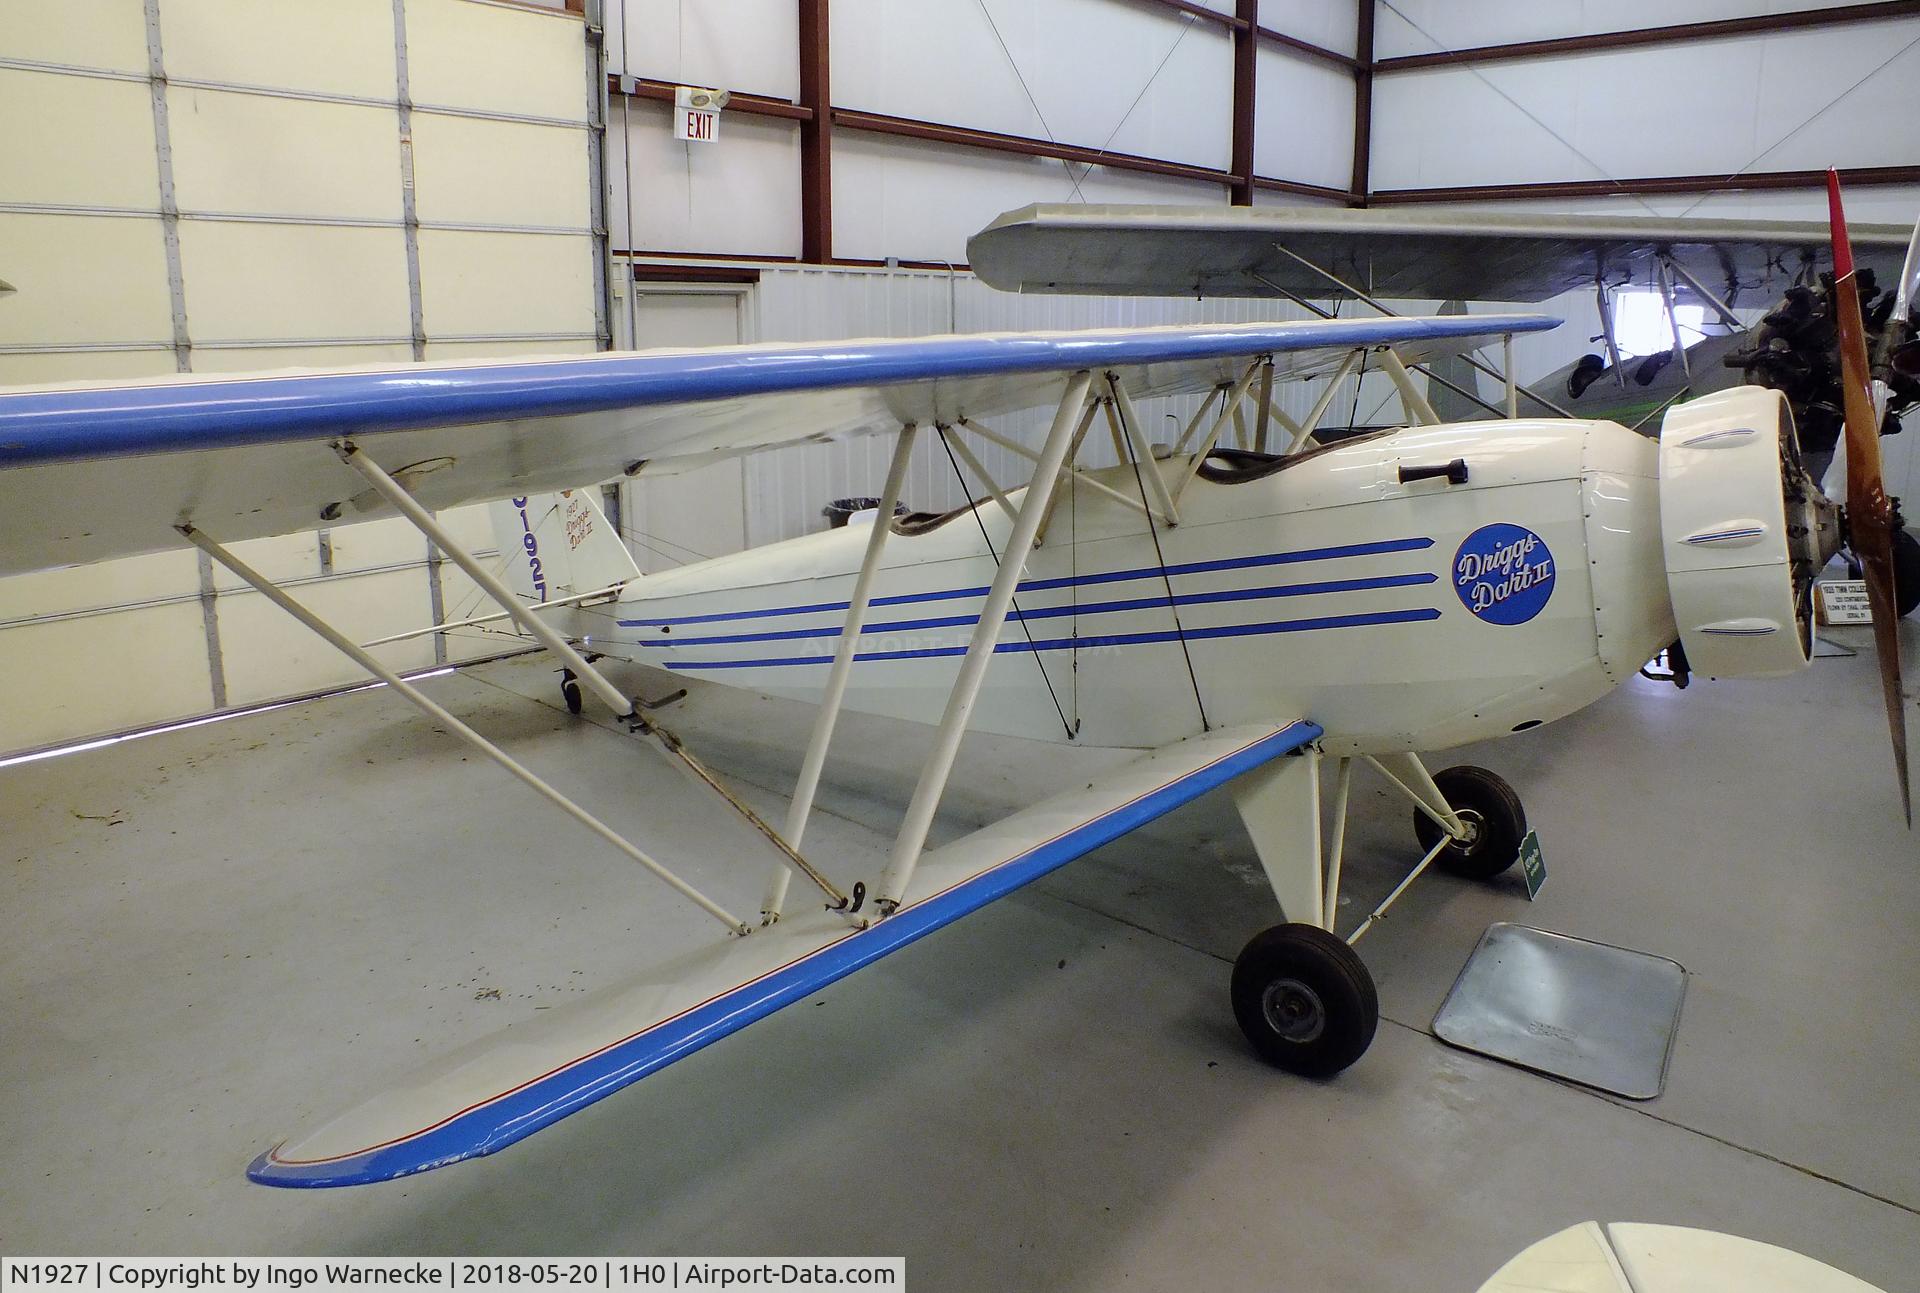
(1494, 818)
(570, 690)
(1304, 1000)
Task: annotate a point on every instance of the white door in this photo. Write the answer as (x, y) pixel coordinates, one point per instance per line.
(690, 516)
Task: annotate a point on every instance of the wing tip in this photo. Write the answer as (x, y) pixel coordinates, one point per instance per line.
(368, 1167)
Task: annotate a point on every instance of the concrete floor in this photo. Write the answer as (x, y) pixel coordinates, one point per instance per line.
(214, 936)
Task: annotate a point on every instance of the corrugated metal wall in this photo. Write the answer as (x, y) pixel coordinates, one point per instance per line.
(790, 486)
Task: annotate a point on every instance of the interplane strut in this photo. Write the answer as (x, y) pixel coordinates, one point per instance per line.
(912, 839)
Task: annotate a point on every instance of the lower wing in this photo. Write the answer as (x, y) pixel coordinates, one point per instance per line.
(504, 1089)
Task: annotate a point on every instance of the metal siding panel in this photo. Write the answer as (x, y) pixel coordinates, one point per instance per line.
(340, 47)
(326, 281)
(80, 33)
(104, 584)
(72, 677)
(98, 151)
(458, 164)
(281, 657)
(249, 358)
(495, 58)
(478, 283)
(84, 280)
(252, 154)
(753, 44)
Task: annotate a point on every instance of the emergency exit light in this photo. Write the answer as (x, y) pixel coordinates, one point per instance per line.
(696, 113)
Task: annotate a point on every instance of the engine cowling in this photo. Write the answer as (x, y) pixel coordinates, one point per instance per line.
(1743, 530)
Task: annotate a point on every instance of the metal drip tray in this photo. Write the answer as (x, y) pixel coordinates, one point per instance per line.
(1591, 1013)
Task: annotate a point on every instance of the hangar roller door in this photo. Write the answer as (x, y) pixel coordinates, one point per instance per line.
(219, 185)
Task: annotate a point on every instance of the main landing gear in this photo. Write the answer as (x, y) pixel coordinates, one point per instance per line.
(1304, 1000)
(1300, 993)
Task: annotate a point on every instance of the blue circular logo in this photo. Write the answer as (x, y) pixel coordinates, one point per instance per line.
(1503, 573)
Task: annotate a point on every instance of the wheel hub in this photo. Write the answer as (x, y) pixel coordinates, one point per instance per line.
(1293, 1010)
(1472, 821)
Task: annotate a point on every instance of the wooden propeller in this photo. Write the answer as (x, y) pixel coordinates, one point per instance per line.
(1869, 510)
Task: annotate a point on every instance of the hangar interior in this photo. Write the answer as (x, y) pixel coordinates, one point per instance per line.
(223, 927)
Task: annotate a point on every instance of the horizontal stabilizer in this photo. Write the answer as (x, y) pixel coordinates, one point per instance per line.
(509, 1086)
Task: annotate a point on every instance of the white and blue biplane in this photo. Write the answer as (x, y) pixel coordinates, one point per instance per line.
(1240, 616)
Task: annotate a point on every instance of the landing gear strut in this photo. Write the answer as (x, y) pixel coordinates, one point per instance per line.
(1300, 993)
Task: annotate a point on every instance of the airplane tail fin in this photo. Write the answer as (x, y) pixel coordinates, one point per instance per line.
(559, 545)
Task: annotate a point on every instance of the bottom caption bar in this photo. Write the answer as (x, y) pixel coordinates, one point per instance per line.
(134, 1274)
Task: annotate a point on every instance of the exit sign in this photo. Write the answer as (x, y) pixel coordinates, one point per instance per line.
(696, 113)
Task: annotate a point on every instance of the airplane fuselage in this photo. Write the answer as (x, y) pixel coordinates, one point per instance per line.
(1410, 615)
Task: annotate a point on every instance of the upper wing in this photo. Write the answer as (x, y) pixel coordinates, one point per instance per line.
(88, 472)
(1392, 253)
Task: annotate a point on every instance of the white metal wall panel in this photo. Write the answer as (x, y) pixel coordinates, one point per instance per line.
(1662, 110)
(104, 583)
(1330, 24)
(254, 154)
(70, 676)
(1136, 78)
(1405, 26)
(459, 162)
(293, 282)
(108, 34)
(106, 132)
(1303, 124)
(496, 58)
(739, 195)
(254, 357)
(83, 280)
(750, 45)
(896, 197)
(281, 655)
(507, 348)
(342, 47)
(503, 284)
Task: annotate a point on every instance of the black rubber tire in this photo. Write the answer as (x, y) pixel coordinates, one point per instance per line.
(570, 691)
(1304, 1000)
(1906, 572)
(1491, 807)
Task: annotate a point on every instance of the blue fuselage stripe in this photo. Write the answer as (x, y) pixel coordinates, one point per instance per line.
(510, 1117)
(1056, 612)
(1064, 581)
(1089, 641)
